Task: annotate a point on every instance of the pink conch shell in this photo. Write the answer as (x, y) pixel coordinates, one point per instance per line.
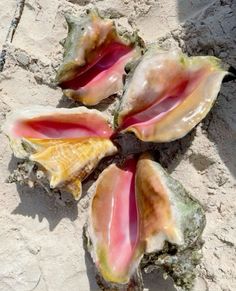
(94, 61)
(168, 94)
(134, 210)
(67, 143)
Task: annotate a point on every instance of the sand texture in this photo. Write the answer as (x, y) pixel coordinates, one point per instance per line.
(41, 246)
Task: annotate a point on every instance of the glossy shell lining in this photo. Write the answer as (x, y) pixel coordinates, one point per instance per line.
(62, 126)
(111, 57)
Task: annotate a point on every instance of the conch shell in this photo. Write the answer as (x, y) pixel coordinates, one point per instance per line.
(168, 94)
(94, 59)
(135, 210)
(67, 143)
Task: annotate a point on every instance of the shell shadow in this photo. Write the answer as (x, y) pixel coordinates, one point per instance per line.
(187, 9)
(154, 281)
(66, 102)
(90, 267)
(220, 127)
(36, 202)
(91, 273)
(212, 32)
(169, 155)
(80, 2)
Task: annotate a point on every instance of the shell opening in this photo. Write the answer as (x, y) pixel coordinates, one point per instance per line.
(118, 227)
(113, 58)
(72, 126)
(166, 103)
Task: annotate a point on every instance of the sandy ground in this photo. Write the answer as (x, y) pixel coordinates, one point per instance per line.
(40, 236)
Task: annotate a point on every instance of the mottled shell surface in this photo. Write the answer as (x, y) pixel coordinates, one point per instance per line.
(67, 143)
(168, 94)
(94, 60)
(135, 210)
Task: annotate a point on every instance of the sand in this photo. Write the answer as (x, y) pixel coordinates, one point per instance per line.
(41, 244)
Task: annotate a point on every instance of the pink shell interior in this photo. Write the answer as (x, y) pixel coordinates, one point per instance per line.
(63, 126)
(112, 59)
(123, 233)
(119, 225)
(164, 104)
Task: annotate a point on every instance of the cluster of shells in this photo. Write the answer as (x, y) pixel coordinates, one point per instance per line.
(138, 213)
